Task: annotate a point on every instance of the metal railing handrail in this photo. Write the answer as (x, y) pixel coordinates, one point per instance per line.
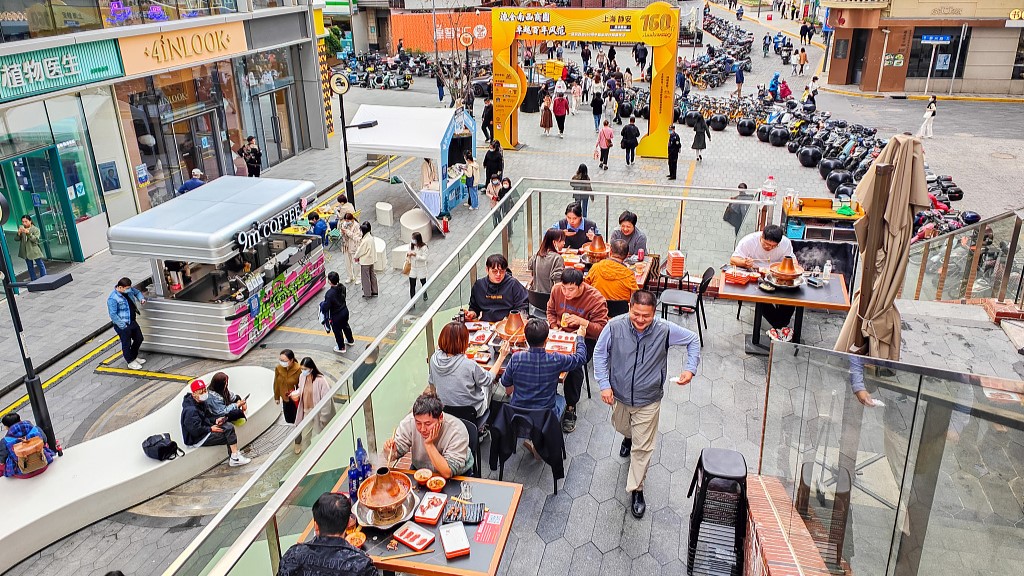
(235, 500)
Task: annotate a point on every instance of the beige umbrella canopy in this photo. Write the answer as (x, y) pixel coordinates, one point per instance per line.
(892, 191)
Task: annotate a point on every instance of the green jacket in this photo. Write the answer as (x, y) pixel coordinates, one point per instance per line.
(30, 249)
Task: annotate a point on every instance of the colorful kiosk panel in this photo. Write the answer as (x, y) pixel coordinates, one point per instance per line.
(223, 274)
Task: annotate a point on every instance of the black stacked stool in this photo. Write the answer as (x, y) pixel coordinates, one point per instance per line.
(718, 520)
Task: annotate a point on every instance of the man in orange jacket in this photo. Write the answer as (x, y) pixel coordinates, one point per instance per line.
(611, 277)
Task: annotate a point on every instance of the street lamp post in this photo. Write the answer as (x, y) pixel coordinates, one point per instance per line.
(339, 85)
(32, 382)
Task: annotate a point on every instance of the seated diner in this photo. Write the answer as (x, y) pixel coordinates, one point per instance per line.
(435, 440)
(493, 298)
(760, 250)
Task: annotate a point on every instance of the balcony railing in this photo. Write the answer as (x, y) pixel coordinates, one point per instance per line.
(927, 482)
(984, 260)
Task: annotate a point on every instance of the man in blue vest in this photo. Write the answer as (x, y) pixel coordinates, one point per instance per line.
(631, 367)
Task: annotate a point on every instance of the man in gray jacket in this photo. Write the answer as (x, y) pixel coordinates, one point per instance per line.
(631, 367)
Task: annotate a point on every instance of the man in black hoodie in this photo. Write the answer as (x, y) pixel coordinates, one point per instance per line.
(329, 552)
(200, 428)
(497, 295)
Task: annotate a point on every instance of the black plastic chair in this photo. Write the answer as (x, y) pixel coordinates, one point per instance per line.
(474, 445)
(539, 300)
(690, 300)
(617, 308)
(463, 412)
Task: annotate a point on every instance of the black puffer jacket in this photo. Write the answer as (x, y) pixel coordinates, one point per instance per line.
(326, 556)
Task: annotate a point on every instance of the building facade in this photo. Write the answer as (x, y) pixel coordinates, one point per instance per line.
(973, 46)
(107, 106)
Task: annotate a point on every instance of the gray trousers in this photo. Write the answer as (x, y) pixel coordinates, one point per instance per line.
(369, 277)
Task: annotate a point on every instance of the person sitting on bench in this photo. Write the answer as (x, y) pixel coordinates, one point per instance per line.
(201, 428)
(25, 452)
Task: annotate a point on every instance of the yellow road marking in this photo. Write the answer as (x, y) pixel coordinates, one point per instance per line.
(324, 333)
(144, 374)
(112, 358)
(330, 198)
(62, 374)
(372, 182)
(682, 206)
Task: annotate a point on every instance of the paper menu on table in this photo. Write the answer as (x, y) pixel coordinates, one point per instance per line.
(488, 530)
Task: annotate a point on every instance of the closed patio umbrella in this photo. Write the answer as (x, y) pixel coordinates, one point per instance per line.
(892, 191)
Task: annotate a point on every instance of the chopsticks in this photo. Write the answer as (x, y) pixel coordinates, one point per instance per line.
(405, 555)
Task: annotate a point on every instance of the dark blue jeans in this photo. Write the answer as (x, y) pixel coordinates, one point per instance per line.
(131, 341)
(32, 268)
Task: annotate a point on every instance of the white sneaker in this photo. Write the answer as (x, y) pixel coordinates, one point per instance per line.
(341, 350)
(140, 360)
(237, 459)
(135, 365)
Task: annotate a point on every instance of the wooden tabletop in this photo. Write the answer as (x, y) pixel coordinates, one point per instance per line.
(819, 208)
(500, 498)
(832, 296)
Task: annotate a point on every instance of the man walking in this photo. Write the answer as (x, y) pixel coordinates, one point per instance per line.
(674, 146)
(585, 56)
(192, 183)
(487, 120)
(803, 34)
(739, 81)
(634, 388)
(123, 308)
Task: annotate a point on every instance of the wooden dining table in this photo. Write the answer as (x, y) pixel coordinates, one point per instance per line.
(487, 540)
(831, 296)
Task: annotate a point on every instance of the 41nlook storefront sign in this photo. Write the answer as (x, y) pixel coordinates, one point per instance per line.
(151, 52)
(41, 71)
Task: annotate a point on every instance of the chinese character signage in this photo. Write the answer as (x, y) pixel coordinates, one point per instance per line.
(656, 25)
(418, 30)
(42, 71)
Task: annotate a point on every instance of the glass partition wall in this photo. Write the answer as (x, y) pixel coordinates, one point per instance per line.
(927, 481)
(273, 510)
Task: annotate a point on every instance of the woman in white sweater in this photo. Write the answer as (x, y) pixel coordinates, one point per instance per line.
(417, 257)
(366, 257)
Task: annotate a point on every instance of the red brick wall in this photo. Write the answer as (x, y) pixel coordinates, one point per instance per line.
(771, 548)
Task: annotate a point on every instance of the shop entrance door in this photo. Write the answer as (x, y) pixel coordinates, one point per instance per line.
(858, 51)
(34, 184)
(275, 125)
(197, 141)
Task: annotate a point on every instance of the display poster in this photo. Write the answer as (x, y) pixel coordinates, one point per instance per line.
(421, 31)
(657, 26)
(274, 302)
(942, 61)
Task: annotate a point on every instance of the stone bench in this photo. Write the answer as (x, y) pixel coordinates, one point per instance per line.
(110, 473)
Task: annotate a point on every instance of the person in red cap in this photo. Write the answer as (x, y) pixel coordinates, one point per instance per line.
(200, 428)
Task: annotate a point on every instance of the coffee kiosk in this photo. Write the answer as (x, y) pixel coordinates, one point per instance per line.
(223, 274)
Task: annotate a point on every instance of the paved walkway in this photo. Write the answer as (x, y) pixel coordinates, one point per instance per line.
(718, 408)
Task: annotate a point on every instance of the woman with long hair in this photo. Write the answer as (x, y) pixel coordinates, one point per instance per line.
(351, 236)
(313, 387)
(604, 141)
(286, 380)
(929, 117)
(581, 183)
(222, 402)
(701, 135)
(417, 256)
(366, 257)
(547, 264)
(547, 118)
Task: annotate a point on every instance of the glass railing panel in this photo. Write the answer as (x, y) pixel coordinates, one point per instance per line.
(229, 526)
(842, 462)
(963, 500)
(256, 561)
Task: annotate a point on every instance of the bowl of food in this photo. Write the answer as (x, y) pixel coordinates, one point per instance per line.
(436, 484)
(356, 539)
(422, 475)
(384, 493)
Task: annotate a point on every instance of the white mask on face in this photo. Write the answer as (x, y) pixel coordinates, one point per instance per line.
(284, 363)
(306, 373)
(204, 396)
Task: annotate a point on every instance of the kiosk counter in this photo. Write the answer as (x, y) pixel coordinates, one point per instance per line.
(223, 274)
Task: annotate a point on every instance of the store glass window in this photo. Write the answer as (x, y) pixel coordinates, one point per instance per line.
(23, 128)
(945, 54)
(67, 122)
(129, 12)
(179, 121)
(1018, 61)
(258, 4)
(268, 70)
(25, 19)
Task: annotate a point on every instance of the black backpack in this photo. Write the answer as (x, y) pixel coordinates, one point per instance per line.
(161, 447)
